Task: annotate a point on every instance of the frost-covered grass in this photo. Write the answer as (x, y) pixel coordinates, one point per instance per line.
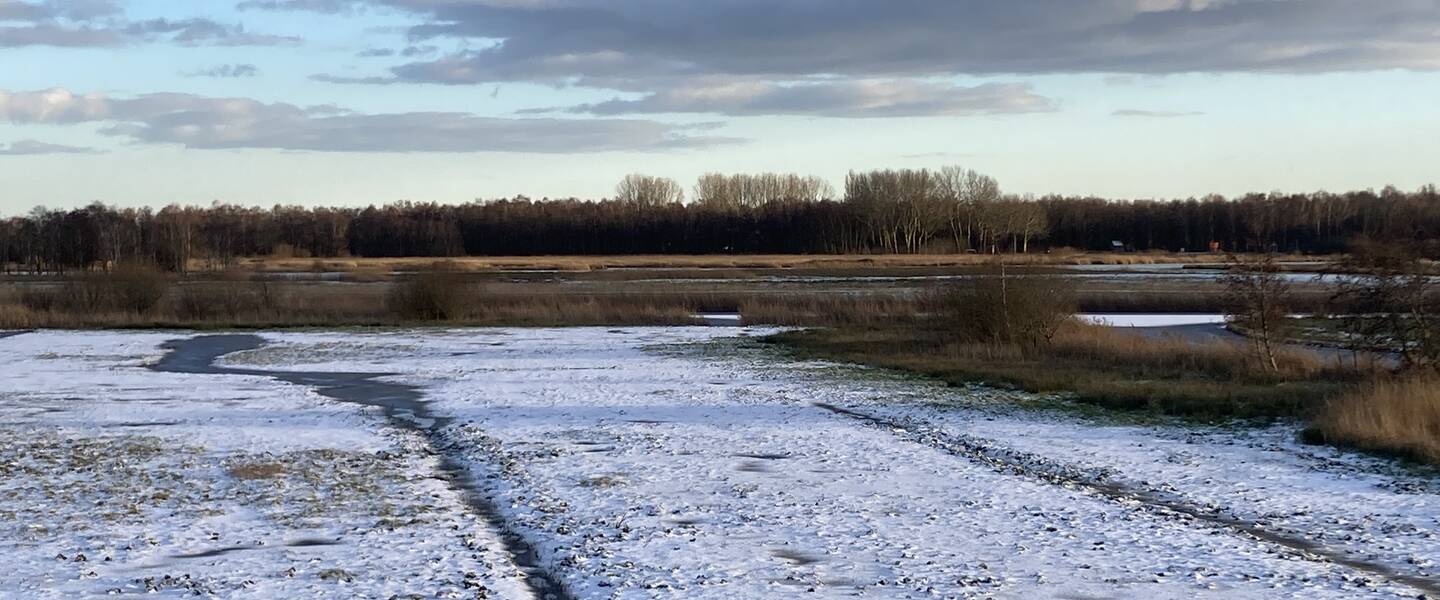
(117, 479)
(641, 468)
(657, 463)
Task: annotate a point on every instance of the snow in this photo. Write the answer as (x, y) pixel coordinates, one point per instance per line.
(118, 479)
(679, 462)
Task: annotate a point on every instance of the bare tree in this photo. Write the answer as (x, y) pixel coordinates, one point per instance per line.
(648, 191)
(1390, 299)
(732, 192)
(1256, 298)
(967, 195)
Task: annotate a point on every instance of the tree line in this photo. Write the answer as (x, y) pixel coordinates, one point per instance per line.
(884, 211)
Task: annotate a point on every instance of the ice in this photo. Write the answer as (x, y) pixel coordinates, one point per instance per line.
(1152, 319)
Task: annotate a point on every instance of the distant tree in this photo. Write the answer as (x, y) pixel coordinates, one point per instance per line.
(648, 191)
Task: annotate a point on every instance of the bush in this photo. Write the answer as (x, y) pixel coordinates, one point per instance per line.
(39, 299)
(429, 296)
(233, 297)
(996, 307)
(134, 289)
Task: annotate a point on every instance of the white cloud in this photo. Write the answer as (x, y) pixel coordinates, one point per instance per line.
(856, 99)
(218, 123)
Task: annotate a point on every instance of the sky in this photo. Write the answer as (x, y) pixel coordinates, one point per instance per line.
(356, 102)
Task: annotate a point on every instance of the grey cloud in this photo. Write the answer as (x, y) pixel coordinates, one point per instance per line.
(102, 23)
(227, 71)
(618, 40)
(320, 6)
(856, 99)
(197, 32)
(59, 36)
(74, 10)
(220, 123)
(35, 148)
(1155, 114)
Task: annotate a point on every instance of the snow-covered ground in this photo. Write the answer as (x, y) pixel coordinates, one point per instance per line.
(117, 479)
(657, 462)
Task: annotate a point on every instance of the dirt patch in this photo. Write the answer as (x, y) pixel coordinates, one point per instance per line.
(254, 471)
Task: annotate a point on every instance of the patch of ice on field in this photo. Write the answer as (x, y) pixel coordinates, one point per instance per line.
(1152, 320)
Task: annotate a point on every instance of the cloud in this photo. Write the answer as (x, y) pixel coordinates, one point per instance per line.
(320, 6)
(1155, 114)
(625, 43)
(35, 148)
(199, 32)
(221, 123)
(227, 71)
(857, 99)
(102, 23)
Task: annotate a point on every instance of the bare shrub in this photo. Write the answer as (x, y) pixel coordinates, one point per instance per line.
(1391, 299)
(233, 297)
(134, 289)
(38, 299)
(999, 308)
(429, 296)
(1395, 416)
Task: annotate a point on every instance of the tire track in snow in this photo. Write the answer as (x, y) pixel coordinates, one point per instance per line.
(405, 408)
(1024, 464)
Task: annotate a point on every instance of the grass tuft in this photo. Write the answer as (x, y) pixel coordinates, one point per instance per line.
(1397, 417)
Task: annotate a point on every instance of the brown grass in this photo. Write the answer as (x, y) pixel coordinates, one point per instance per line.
(1399, 417)
(255, 471)
(802, 310)
(759, 261)
(1096, 365)
(260, 304)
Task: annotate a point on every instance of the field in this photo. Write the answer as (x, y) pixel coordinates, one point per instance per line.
(793, 290)
(670, 261)
(646, 462)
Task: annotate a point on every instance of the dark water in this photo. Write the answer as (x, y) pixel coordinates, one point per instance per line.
(406, 408)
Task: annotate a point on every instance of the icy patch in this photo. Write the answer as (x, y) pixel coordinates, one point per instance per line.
(1152, 320)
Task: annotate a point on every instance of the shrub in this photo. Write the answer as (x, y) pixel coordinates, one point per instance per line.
(429, 296)
(134, 289)
(996, 307)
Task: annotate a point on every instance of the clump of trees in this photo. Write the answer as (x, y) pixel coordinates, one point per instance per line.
(738, 192)
(883, 211)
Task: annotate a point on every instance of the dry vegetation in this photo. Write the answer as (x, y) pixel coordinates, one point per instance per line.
(1400, 417)
(759, 261)
(1098, 366)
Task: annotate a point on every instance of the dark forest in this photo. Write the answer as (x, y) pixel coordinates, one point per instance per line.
(951, 210)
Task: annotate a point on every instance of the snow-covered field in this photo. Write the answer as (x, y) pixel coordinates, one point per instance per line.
(655, 462)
